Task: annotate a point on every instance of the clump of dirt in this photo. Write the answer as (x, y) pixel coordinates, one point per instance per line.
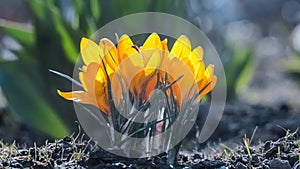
(283, 153)
(73, 152)
(272, 145)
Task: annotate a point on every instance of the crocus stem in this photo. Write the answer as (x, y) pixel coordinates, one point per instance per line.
(172, 154)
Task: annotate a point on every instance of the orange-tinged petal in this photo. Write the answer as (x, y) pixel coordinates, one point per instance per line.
(211, 85)
(101, 93)
(90, 51)
(164, 44)
(177, 68)
(89, 76)
(93, 72)
(139, 85)
(130, 67)
(165, 50)
(77, 96)
(136, 83)
(85, 98)
(188, 63)
(176, 90)
(206, 78)
(138, 68)
(117, 87)
(149, 89)
(182, 47)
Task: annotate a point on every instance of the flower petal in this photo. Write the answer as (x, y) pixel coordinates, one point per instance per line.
(90, 51)
(125, 48)
(153, 63)
(210, 86)
(182, 47)
(197, 54)
(206, 78)
(110, 54)
(77, 96)
(152, 42)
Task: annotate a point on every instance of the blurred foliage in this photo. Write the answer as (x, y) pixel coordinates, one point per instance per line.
(292, 66)
(53, 43)
(239, 71)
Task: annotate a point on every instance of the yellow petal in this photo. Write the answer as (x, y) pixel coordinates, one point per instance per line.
(206, 78)
(152, 42)
(83, 68)
(90, 51)
(110, 53)
(199, 69)
(101, 76)
(197, 54)
(176, 69)
(130, 67)
(125, 48)
(182, 47)
(136, 60)
(153, 63)
(209, 71)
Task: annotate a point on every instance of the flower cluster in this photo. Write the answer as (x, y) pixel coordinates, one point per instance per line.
(110, 70)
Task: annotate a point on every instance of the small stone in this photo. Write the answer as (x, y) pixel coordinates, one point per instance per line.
(265, 166)
(58, 162)
(284, 107)
(255, 159)
(267, 145)
(271, 152)
(292, 158)
(26, 164)
(23, 152)
(240, 165)
(197, 156)
(184, 158)
(297, 165)
(279, 164)
(67, 139)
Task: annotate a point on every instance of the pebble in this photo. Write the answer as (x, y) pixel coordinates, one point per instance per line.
(240, 165)
(297, 165)
(255, 159)
(279, 164)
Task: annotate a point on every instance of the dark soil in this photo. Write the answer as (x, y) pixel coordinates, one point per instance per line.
(275, 144)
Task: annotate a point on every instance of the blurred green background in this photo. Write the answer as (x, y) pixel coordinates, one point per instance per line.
(258, 43)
